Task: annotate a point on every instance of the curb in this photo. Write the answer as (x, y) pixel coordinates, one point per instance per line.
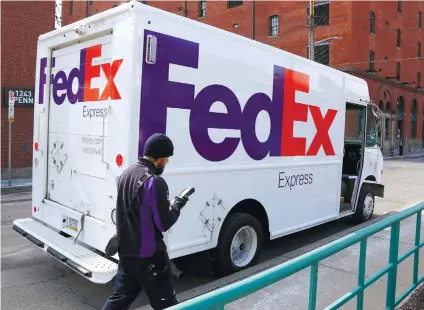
(403, 157)
(15, 189)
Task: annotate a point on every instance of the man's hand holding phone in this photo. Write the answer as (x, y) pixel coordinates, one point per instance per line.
(182, 198)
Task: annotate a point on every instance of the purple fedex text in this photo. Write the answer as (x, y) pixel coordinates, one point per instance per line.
(158, 94)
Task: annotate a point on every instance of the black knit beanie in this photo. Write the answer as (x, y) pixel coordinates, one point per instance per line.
(158, 146)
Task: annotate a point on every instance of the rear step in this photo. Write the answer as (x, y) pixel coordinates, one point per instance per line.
(92, 266)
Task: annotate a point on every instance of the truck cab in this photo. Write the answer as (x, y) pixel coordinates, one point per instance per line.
(362, 161)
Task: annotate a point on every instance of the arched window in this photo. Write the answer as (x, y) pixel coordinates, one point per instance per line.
(419, 49)
(388, 106)
(273, 25)
(420, 20)
(414, 106)
(400, 113)
(372, 58)
(381, 105)
(414, 119)
(400, 105)
(398, 41)
(372, 22)
(398, 71)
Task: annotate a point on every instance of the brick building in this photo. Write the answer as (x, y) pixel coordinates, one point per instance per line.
(380, 42)
(22, 23)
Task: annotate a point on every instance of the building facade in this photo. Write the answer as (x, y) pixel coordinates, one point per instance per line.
(377, 41)
(22, 23)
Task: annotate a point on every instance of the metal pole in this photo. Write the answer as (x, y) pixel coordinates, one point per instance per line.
(253, 19)
(311, 30)
(10, 153)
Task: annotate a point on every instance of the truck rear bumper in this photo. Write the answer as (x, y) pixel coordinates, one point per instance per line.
(89, 264)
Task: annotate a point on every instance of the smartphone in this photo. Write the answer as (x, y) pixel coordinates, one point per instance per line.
(186, 193)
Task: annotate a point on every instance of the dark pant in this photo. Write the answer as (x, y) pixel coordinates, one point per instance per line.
(151, 275)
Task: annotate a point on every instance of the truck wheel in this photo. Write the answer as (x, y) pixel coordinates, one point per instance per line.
(365, 206)
(239, 245)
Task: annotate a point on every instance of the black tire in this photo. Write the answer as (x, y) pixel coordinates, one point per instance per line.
(360, 216)
(223, 264)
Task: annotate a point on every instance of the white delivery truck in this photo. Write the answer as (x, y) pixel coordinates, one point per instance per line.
(273, 143)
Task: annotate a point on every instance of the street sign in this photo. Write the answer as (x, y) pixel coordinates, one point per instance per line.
(24, 97)
(11, 106)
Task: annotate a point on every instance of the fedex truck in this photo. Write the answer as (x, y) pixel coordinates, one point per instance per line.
(272, 142)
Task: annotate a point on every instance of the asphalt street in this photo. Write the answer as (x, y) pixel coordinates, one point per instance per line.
(30, 279)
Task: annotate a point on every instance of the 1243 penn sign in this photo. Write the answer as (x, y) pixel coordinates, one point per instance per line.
(23, 96)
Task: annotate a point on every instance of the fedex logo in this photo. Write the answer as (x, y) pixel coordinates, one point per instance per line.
(62, 82)
(158, 94)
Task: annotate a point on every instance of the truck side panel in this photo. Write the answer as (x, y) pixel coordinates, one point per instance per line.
(244, 120)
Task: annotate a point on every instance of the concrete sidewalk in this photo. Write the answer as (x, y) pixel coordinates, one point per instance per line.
(18, 196)
(20, 190)
(339, 274)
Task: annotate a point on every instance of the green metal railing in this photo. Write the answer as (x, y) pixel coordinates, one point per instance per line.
(217, 299)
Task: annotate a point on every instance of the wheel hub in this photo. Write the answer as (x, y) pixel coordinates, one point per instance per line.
(244, 246)
(368, 206)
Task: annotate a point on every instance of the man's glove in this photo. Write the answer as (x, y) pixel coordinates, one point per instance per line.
(178, 203)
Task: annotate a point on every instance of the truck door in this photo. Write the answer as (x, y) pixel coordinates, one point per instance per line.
(372, 155)
(77, 132)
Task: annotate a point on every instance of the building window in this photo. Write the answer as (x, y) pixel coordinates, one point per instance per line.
(400, 112)
(420, 20)
(414, 107)
(321, 14)
(398, 71)
(419, 80)
(399, 6)
(90, 3)
(398, 38)
(381, 105)
(273, 25)
(419, 49)
(414, 119)
(372, 58)
(413, 129)
(71, 7)
(322, 53)
(202, 8)
(234, 3)
(372, 23)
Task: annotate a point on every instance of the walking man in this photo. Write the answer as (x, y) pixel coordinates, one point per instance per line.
(143, 257)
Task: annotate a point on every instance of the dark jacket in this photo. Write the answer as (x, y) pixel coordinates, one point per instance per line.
(150, 214)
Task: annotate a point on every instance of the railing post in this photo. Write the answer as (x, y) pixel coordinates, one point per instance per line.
(393, 261)
(313, 284)
(361, 274)
(417, 252)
